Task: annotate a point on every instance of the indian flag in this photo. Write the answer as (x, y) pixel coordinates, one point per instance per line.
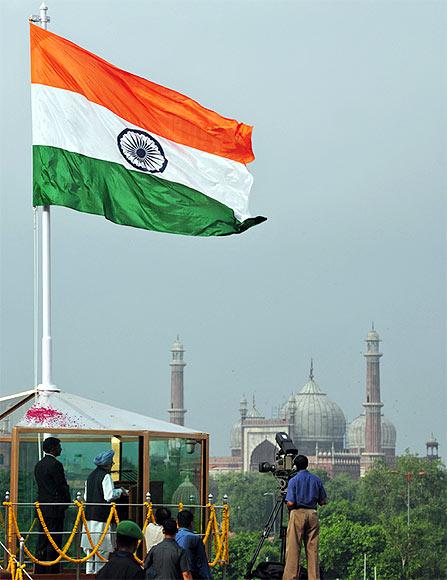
(111, 143)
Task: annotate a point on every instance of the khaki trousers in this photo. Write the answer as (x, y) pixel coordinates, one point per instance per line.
(303, 524)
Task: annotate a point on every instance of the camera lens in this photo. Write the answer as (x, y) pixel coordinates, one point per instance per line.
(265, 467)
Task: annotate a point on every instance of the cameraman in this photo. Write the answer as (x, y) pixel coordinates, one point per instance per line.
(304, 492)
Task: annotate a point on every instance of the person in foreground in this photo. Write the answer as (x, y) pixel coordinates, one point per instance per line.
(52, 488)
(304, 492)
(167, 560)
(192, 543)
(154, 532)
(122, 564)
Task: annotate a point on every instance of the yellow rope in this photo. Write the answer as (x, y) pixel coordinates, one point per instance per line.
(149, 516)
(218, 537)
(63, 553)
(19, 572)
(11, 562)
(89, 537)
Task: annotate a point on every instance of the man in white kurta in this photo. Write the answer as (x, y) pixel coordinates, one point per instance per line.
(99, 491)
(154, 532)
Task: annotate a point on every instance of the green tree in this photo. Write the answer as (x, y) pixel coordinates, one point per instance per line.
(341, 487)
(241, 548)
(385, 490)
(250, 507)
(368, 516)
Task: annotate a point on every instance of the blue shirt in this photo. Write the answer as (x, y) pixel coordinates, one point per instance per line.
(305, 490)
(195, 550)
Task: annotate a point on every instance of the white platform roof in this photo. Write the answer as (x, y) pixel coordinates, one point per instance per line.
(59, 410)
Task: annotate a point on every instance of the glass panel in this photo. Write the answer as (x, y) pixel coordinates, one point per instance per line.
(5, 461)
(5, 458)
(175, 472)
(77, 457)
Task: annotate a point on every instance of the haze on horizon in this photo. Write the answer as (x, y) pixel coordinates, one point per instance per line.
(348, 104)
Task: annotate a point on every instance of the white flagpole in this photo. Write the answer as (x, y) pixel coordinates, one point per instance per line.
(47, 358)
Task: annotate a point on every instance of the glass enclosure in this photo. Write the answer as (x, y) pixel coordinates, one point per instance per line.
(5, 458)
(171, 468)
(78, 453)
(175, 471)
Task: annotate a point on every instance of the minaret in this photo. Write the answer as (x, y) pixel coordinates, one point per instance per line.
(373, 404)
(432, 448)
(177, 412)
(243, 408)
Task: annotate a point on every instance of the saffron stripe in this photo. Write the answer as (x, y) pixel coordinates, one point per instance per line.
(57, 62)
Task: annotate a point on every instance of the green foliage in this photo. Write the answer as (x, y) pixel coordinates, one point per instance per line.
(250, 508)
(241, 548)
(341, 487)
(365, 517)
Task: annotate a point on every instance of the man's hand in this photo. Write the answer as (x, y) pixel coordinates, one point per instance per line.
(187, 575)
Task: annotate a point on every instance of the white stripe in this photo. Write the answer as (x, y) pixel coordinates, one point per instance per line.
(68, 120)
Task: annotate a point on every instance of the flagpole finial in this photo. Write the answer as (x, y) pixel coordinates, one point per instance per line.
(43, 16)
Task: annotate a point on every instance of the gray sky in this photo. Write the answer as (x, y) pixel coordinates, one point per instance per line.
(348, 103)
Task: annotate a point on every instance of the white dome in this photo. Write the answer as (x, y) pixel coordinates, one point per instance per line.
(254, 413)
(316, 417)
(177, 345)
(356, 433)
(373, 335)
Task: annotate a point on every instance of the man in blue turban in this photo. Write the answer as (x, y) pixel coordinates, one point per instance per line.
(99, 490)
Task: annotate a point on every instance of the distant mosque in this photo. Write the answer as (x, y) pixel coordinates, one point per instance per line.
(317, 425)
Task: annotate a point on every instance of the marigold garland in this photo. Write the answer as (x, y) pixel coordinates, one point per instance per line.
(219, 538)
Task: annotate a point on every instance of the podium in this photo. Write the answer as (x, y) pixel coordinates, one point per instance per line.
(125, 504)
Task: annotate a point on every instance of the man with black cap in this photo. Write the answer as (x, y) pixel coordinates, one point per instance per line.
(52, 488)
(99, 490)
(122, 564)
(304, 492)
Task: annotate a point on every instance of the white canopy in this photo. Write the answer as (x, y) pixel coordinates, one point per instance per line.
(60, 410)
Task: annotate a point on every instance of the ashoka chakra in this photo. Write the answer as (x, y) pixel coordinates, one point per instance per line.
(142, 151)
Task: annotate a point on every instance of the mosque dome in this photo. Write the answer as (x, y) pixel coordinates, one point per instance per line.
(186, 492)
(373, 335)
(356, 433)
(316, 419)
(177, 345)
(253, 413)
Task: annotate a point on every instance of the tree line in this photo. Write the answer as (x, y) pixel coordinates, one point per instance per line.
(365, 520)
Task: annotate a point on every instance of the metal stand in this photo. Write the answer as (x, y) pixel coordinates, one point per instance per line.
(278, 508)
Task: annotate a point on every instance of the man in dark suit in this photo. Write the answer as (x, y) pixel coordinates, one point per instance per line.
(52, 487)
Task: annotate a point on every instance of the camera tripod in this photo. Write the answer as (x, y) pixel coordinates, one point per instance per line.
(278, 509)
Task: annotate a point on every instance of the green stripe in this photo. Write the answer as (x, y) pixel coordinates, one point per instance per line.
(128, 197)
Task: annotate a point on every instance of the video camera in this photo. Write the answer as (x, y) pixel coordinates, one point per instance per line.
(283, 468)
